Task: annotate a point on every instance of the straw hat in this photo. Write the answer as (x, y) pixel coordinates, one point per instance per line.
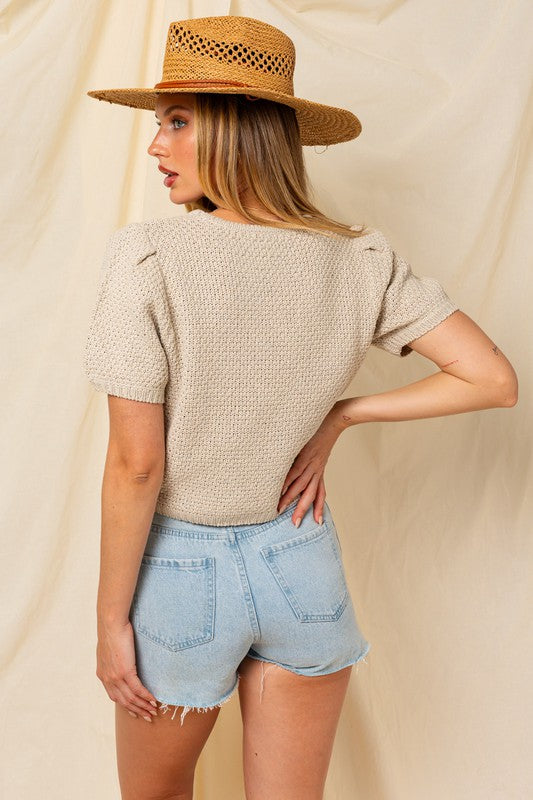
(238, 55)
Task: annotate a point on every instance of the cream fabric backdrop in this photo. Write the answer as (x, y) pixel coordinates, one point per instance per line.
(433, 515)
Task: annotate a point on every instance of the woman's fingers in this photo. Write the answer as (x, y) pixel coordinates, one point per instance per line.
(117, 671)
(291, 476)
(296, 488)
(134, 690)
(133, 702)
(142, 696)
(319, 501)
(121, 693)
(305, 478)
(305, 501)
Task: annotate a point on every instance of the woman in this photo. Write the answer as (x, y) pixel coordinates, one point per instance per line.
(223, 338)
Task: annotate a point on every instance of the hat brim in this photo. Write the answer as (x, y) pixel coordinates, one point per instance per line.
(319, 124)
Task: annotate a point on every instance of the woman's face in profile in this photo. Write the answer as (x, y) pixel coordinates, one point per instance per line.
(174, 146)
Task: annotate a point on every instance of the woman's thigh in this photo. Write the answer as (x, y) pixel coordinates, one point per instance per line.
(289, 726)
(157, 759)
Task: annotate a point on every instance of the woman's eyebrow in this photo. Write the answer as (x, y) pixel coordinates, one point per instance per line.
(171, 108)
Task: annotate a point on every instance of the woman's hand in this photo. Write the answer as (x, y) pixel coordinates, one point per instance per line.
(305, 476)
(115, 656)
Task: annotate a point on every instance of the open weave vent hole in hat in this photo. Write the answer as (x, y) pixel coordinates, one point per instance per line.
(185, 40)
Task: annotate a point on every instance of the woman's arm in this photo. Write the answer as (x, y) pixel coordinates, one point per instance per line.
(474, 374)
(132, 480)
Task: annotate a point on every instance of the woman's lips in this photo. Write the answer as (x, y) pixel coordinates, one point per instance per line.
(169, 179)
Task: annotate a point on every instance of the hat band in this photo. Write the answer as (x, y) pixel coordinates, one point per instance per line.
(172, 84)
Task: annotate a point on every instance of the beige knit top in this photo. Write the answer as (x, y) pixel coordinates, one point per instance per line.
(248, 335)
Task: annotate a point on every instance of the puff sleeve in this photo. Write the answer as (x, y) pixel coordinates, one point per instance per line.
(411, 306)
(124, 353)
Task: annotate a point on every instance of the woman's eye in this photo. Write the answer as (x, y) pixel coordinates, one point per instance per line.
(172, 121)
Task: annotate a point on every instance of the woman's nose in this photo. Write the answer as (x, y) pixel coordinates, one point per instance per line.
(154, 148)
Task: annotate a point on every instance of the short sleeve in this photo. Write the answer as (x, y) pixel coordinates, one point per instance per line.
(411, 306)
(124, 354)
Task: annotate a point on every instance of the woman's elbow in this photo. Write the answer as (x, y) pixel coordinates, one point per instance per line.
(510, 398)
(508, 389)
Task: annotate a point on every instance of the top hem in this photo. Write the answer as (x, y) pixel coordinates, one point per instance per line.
(222, 520)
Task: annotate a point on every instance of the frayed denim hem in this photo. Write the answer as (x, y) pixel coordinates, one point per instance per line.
(360, 657)
(164, 707)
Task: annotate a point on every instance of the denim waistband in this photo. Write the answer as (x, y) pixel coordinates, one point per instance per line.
(170, 525)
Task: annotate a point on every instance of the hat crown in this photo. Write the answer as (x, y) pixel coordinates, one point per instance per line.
(241, 50)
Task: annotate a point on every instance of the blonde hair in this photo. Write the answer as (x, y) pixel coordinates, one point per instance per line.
(243, 144)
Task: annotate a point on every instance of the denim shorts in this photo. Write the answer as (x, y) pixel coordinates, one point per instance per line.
(207, 596)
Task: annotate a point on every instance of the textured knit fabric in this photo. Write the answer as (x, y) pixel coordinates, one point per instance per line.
(248, 335)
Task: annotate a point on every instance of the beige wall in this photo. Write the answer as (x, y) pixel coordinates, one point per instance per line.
(434, 515)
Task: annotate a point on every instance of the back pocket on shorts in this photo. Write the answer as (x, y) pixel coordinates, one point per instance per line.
(309, 572)
(174, 601)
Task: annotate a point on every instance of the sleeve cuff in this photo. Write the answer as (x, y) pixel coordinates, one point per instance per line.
(397, 343)
(142, 393)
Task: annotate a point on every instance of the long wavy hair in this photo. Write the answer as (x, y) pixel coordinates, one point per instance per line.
(243, 144)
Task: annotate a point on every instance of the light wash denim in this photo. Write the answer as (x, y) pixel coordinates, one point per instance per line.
(207, 596)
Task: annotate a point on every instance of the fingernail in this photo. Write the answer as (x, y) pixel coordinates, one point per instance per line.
(283, 507)
(297, 521)
(132, 714)
(148, 719)
(153, 703)
(320, 520)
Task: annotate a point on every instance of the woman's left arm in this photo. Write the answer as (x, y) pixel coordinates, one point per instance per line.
(473, 374)
(132, 479)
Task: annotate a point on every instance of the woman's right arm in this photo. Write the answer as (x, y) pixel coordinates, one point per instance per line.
(473, 375)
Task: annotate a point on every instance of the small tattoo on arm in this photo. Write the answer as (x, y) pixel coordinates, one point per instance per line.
(495, 350)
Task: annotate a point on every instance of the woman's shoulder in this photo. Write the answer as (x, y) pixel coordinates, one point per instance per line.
(157, 227)
(129, 244)
(137, 240)
(372, 238)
